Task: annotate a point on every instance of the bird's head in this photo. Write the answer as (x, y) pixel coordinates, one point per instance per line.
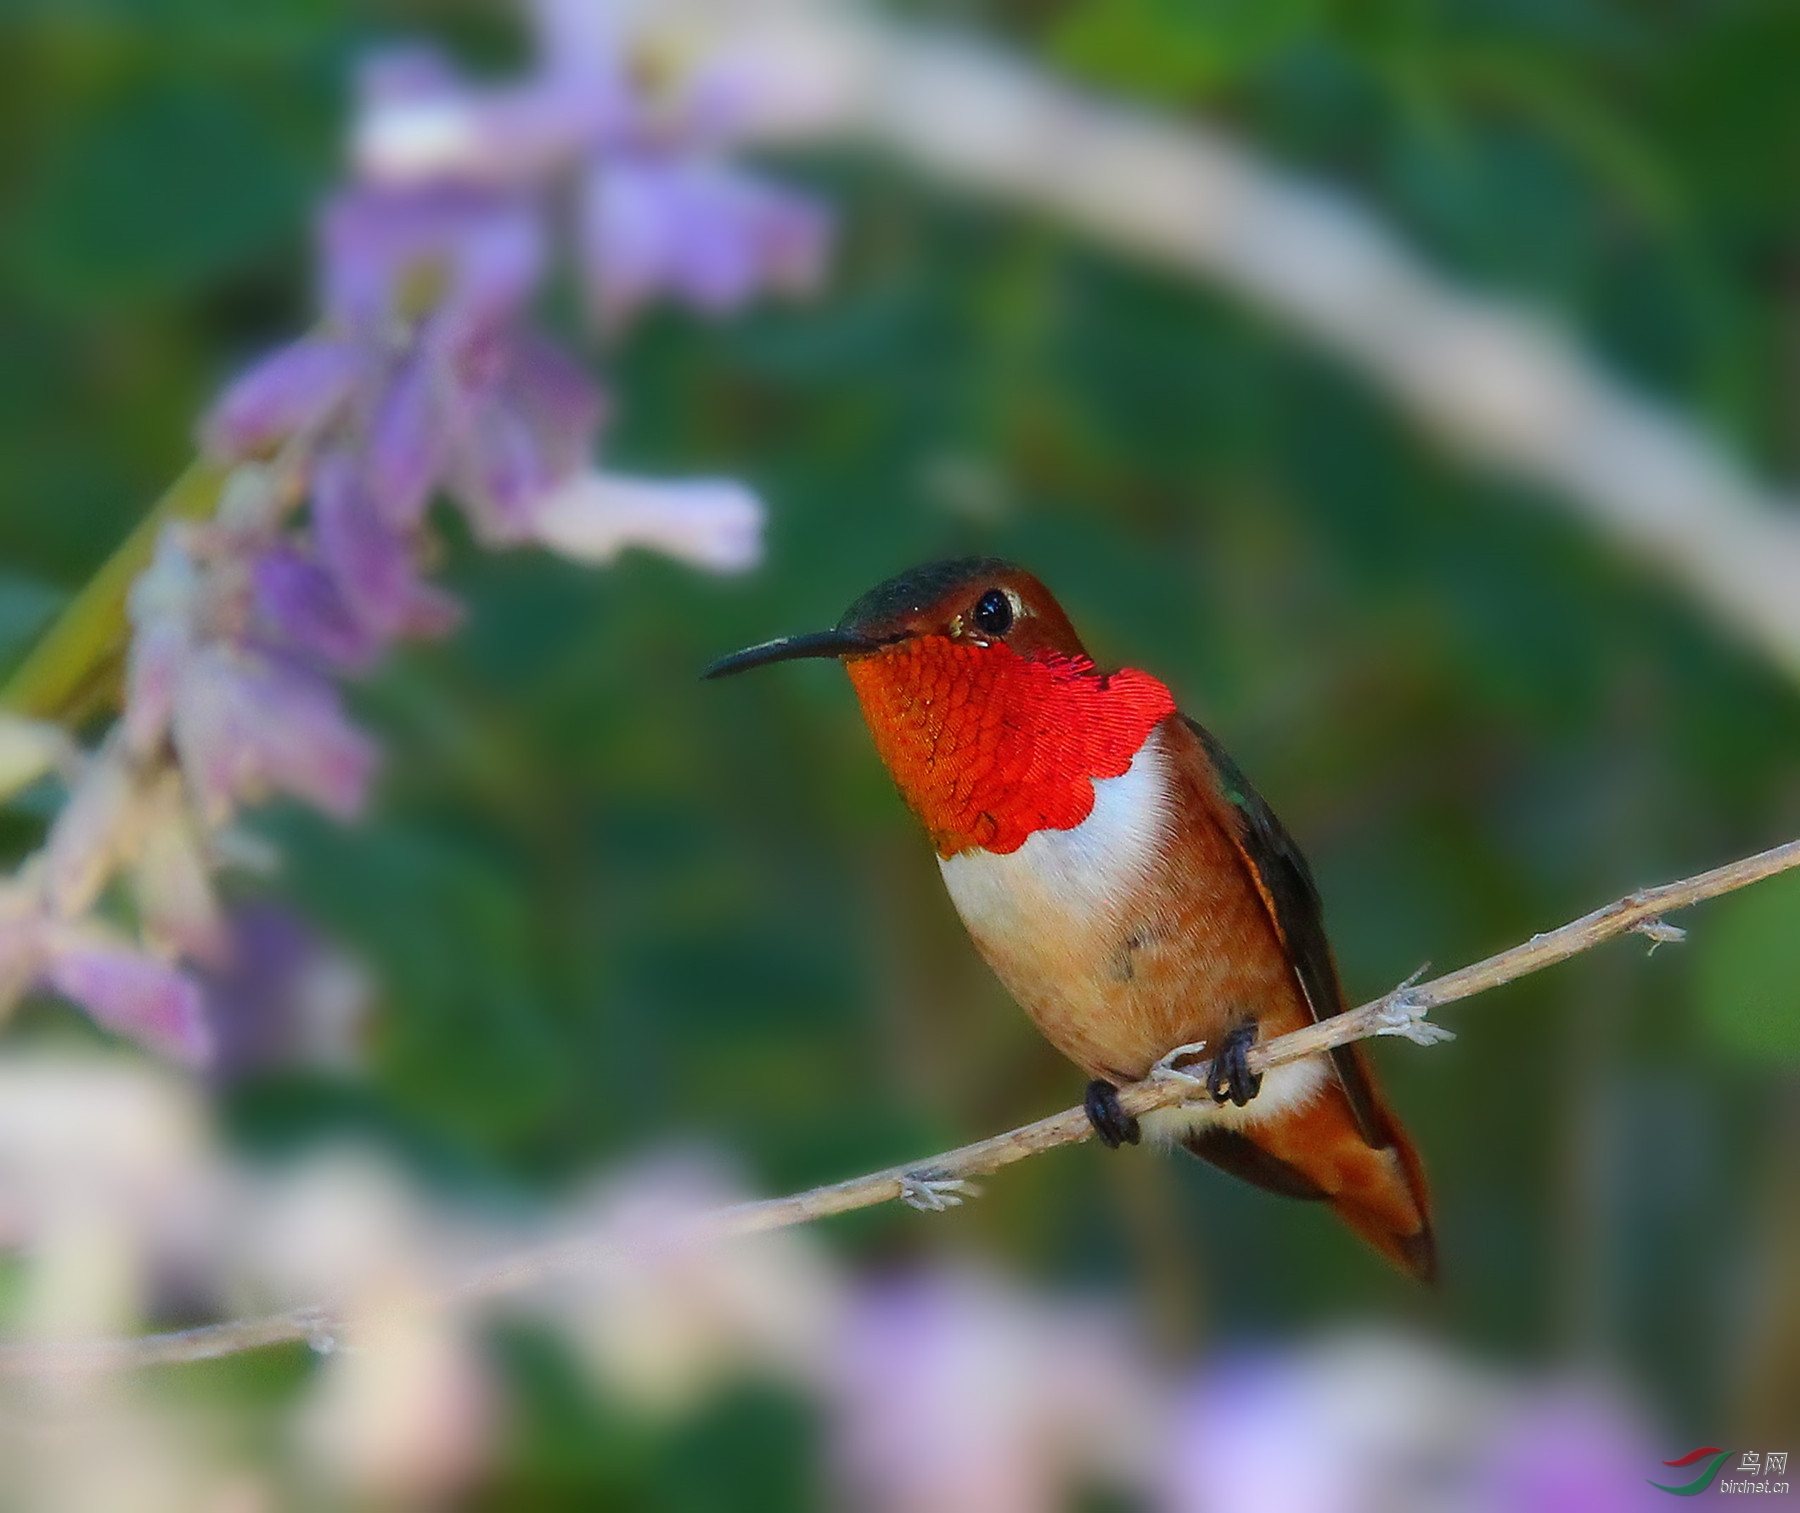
(983, 702)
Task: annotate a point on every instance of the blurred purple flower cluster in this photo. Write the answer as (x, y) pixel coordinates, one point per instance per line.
(424, 377)
(939, 1386)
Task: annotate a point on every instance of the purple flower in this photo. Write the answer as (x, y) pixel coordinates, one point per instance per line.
(245, 722)
(454, 264)
(528, 429)
(714, 524)
(694, 230)
(474, 402)
(124, 989)
(1255, 1438)
(298, 605)
(420, 121)
(1570, 1450)
(667, 1311)
(283, 996)
(429, 266)
(372, 564)
(422, 377)
(956, 1393)
(247, 725)
(296, 388)
(662, 215)
(408, 442)
(1368, 1421)
(130, 992)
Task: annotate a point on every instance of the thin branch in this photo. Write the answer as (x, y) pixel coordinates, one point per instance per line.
(1492, 379)
(942, 1180)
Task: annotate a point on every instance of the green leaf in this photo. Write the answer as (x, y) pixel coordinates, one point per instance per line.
(1748, 966)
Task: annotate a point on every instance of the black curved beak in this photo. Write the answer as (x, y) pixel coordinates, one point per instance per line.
(822, 643)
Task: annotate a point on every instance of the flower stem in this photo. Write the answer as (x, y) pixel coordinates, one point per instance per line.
(76, 666)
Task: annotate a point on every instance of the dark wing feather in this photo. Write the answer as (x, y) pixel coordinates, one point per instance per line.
(1286, 883)
(1235, 1152)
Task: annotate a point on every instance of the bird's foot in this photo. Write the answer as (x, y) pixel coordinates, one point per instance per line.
(932, 1195)
(1404, 1015)
(1111, 1123)
(1230, 1078)
(1174, 1066)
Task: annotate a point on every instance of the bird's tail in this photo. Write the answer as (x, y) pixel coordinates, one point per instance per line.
(1343, 1147)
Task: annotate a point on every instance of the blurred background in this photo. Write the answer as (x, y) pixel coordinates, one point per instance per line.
(599, 910)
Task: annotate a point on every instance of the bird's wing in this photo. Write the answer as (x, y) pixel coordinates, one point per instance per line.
(1285, 883)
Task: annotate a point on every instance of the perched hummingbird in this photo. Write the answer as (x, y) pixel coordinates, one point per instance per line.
(1124, 880)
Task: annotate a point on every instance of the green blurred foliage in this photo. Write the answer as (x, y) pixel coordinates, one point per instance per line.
(1748, 971)
(608, 905)
(1175, 48)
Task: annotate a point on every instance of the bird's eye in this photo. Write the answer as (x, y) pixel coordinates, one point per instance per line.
(993, 613)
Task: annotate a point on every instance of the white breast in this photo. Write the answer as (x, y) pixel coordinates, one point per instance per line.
(1069, 880)
(1049, 918)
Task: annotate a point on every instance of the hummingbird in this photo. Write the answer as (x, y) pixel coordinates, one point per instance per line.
(1129, 887)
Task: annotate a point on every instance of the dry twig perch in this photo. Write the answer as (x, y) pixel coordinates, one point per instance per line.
(940, 1181)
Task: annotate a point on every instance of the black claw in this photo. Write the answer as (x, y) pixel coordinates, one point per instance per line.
(1111, 1123)
(1230, 1078)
